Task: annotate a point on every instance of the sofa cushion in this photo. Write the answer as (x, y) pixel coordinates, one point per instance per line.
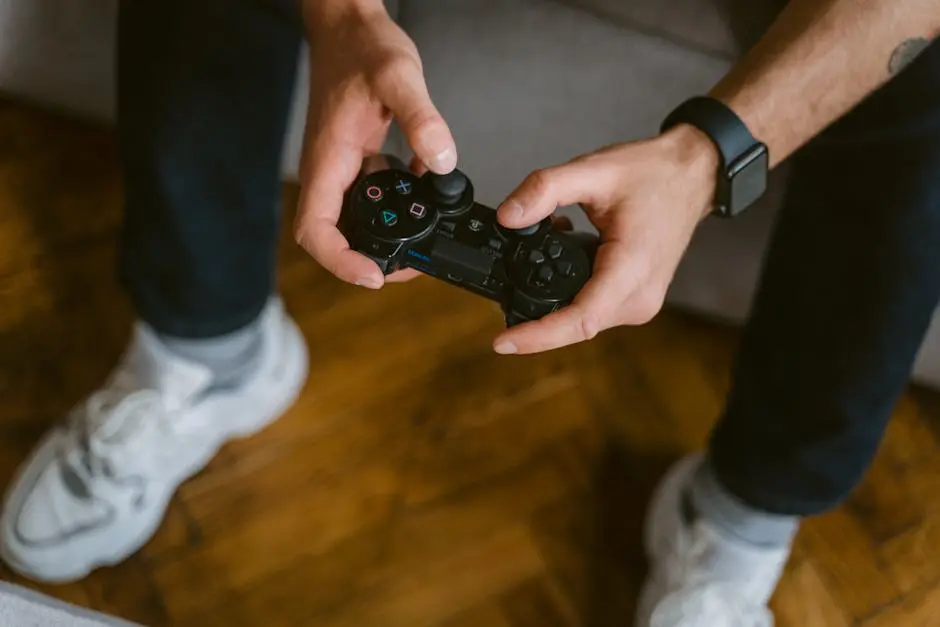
(700, 23)
(60, 53)
(720, 27)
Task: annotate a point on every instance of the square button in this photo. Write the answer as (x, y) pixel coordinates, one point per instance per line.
(417, 211)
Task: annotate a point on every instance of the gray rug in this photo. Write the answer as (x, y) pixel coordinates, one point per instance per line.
(21, 607)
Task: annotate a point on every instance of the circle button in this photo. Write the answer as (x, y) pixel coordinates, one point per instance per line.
(374, 193)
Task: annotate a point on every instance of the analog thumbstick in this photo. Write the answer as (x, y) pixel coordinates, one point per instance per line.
(527, 230)
(449, 187)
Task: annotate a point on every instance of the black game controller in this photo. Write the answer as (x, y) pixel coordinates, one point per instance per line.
(431, 223)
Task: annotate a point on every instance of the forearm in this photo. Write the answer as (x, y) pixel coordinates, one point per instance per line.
(818, 60)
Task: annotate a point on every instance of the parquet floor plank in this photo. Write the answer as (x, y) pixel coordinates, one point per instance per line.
(918, 609)
(854, 573)
(486, 615)
(816, 606)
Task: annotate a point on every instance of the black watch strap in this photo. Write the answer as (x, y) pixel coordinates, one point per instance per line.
(742, 177)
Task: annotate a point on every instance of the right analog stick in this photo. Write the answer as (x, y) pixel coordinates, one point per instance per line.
(526, 230)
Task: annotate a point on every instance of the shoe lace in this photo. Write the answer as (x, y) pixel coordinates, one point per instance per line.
(106, 419)
(703, 600)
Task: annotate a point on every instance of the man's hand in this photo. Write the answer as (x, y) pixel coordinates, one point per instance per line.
(365, 71)
(646, 199)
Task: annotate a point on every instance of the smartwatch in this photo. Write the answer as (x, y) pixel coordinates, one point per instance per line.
(744, 161)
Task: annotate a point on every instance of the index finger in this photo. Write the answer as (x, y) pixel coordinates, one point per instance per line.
(404, 91)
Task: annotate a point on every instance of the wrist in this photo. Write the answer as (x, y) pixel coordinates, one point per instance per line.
(698, 161)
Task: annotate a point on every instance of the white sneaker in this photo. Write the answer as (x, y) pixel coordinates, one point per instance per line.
(699, 576)
(97, 486)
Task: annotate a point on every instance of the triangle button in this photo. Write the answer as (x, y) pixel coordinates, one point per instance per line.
(389, 218)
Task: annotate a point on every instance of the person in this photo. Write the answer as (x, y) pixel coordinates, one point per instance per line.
(848, 93)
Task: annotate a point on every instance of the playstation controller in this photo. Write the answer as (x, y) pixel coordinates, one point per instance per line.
(433, 224)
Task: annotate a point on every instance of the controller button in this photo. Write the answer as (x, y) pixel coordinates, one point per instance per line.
(389, 218)
(536, 256)
(448, 227)
(495, 244)
(566, 268)
(418, 211)
(403, 187)
(555, 250)
(450, 187)
(545, 274)
(374, 193)
(475, 225)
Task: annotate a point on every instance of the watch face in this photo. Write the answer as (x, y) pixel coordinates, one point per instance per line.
(747, 177)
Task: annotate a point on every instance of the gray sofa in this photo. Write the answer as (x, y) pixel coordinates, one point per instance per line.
(523, 83)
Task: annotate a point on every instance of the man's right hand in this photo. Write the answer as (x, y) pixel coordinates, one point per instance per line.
(364, 71)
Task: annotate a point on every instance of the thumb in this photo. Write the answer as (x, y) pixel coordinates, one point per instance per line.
(543, 191)
(406, 95)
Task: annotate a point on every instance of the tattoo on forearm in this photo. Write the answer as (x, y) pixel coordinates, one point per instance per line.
(905, 54)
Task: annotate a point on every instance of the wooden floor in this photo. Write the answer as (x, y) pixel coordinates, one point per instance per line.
(432, 483)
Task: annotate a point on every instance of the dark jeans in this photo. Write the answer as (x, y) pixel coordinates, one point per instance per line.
(204, 94)
(850, 283)
(849, 286)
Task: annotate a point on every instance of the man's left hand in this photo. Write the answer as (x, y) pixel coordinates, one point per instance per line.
(646, 199)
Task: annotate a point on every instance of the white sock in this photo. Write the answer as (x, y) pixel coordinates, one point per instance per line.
(713, 502)
(231, 357)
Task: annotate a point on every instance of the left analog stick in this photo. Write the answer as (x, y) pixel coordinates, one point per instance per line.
(448, 187)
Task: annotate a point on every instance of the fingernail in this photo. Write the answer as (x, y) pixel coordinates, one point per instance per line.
(369, 281)
(512, 209)
(444, 161)
(505, 348)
